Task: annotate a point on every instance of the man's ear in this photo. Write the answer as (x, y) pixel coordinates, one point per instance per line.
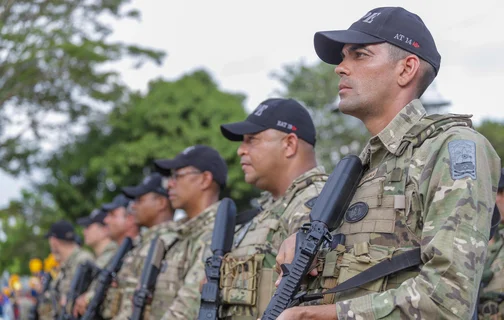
(408, 70)
(291, 145)
(207, 179)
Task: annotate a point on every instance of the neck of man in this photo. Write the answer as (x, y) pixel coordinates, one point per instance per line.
(196, 207)
(161, 217)
(99, 247)
(66, 251)
(130, 233)
(380, 116)
(284, 181)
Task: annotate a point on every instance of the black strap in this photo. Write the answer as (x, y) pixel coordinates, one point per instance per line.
(496, 219)
(247, 215)
(387, 267)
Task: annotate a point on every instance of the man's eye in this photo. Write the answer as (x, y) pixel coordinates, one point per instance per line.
(360, 54)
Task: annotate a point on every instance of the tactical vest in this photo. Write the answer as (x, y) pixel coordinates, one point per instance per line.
(247, 273)
(384, 218)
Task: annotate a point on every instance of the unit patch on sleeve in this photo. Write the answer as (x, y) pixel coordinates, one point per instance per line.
(462, 159)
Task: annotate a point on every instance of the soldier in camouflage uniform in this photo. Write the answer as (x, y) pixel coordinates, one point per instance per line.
(197, 175)
(152, 210)
(277, 156)
(62, 240)
(96, 236)
(428, 188)
(491, 304)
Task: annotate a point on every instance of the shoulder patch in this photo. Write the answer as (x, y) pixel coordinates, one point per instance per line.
(462, 159)
(310, 203)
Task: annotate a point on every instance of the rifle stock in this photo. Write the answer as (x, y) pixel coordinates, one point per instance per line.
(222, 241)
(150, 273)
(326, 215)
(105, 279)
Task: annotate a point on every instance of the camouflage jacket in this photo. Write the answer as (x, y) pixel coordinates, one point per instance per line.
(438, 195)
(55, 297)
(492, 294)
(248, 275)
(177, 294)
(131, 270)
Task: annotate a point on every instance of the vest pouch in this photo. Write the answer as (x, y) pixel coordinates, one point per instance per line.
(239, 279)
(360, 258)
(331, 272)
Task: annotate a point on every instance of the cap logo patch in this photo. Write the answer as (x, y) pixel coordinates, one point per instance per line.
(369, 17)
(188, 149)
(403, 38)
(260, 109)
(286, 125)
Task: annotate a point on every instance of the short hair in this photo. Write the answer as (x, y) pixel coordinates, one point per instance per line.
(427, 72)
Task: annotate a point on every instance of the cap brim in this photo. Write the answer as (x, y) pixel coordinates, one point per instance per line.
(86, 221)
(135, 192)
(110, 206)
(235, 131)
(166, 165)
(328, 44)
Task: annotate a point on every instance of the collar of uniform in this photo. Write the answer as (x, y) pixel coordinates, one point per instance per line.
(71, 257)
(393, 133)
(110, 247)
(157, 229)
(317, 171)
(202, 219)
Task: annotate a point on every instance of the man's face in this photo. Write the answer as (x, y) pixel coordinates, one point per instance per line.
(260, 157)
(54, 245)
(94, 233)
(183, 186)
(146, 207)
(367, 75)
(116, 223)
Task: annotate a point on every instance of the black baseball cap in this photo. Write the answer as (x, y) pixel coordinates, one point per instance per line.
(119, 201)
(285, 115)
(151, 183)
(394, 25)
(204, 158)
(501, 181)
(63, 230)
(96, 216)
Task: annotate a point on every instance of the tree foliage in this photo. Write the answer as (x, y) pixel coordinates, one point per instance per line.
(494, 132)
(55, 58)
(316, 86)
(23, 223)
(120, 149)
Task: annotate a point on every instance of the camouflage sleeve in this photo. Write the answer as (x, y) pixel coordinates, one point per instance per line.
(187, 301)
(456, 207)
(82, 257)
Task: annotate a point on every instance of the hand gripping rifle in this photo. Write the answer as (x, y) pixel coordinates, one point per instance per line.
(222, 240)
(46, 282)
(105, 279)
(326, 215)
(150, 273)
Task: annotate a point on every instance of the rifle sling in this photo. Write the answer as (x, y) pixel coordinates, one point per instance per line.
(386, 267)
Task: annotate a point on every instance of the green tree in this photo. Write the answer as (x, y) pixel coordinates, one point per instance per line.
(23, 224)
(494, 132)
(55, 70)
(120, 149)
(316, 86)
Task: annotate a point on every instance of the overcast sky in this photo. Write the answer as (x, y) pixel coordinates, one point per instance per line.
(241, 42)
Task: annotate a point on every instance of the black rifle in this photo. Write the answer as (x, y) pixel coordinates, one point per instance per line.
(326, 215)
(222, 241)
(84, 275)
(150, 273)
(105, 279)
(46, 282)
